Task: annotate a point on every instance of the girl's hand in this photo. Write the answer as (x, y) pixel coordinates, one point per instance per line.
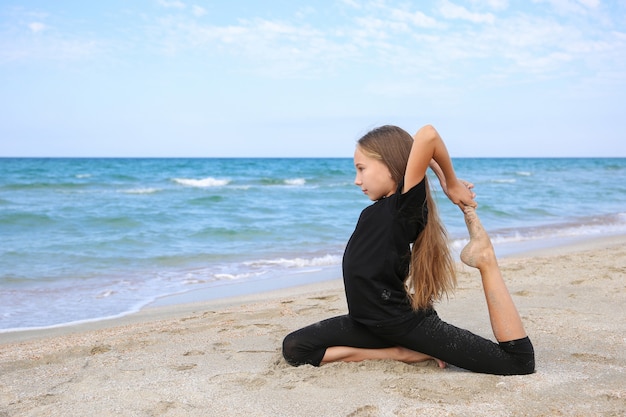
(460, 193)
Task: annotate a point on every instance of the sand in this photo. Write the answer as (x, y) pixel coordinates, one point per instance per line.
(222, 358)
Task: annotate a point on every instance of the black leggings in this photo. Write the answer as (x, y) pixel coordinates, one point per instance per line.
(431, 336)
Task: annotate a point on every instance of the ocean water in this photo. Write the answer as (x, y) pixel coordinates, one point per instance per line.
(87, 239)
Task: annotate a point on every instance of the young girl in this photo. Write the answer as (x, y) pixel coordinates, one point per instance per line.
(391, 287)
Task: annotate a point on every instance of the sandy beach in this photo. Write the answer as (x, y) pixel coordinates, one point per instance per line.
(222, 358)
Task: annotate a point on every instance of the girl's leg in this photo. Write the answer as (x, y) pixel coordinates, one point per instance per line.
(342, 339)
(462, 348)
(310, 344)
(505, 320)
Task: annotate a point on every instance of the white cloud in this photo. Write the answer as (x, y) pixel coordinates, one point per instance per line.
(592, 4)
(418, 18)
(571, 6)
(390, 37)
(514, 47)
(51, 49)
(198, 11)
(376, 29)
(304, 12)
(452, 11)
(351, 3)
(491, 4)
(544, 64)
(36, 27)
(174, 4)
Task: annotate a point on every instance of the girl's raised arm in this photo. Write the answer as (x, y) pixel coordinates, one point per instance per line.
(428, 145)
(434, 166)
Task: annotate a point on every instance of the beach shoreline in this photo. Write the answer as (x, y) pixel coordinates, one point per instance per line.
(177, 304)
(222, 356)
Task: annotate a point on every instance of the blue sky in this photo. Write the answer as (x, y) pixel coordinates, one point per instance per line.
(206, 78)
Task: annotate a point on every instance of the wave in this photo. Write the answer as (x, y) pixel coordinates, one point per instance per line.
(141, 191)
(295, 181)
(206, 200)
(233, 277)
(106, 293)
(119, 221)
(216, 182)
(202, 183)
(26, 219)
(282, 181)
(45, 186)
(326, 260)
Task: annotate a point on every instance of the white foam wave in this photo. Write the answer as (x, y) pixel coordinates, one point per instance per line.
(202, 183)
(106, 293)
(141, 191)
(504, 181)
(194, 281)
(295, 181)
(83, 175)
(233, 277)
(524, 173)
(204, 276)
(326, 260)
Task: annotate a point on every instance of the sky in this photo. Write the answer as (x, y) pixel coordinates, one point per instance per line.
(289, 78)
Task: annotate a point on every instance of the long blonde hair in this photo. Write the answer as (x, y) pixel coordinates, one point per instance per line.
(432, 272)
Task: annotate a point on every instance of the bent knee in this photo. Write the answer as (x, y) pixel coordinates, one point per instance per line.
(291, 351)
(524, 354)
(299, 351)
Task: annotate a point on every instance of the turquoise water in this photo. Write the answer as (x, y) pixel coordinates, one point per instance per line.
(85, 239)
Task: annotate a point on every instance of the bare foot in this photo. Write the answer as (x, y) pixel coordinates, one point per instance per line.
(441, 364)
(479, 251)
(410, 356)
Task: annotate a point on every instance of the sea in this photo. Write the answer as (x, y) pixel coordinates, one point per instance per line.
(84, 239)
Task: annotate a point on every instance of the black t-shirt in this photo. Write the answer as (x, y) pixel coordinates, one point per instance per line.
(376, 259)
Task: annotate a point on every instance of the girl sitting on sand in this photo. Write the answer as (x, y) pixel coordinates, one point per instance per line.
(390, 288)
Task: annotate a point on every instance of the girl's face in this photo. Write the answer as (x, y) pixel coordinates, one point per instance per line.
(373, 176)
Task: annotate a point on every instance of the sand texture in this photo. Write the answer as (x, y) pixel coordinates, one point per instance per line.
(216, 359)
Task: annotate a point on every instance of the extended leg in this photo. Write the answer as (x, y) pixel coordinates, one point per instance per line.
(342, 339)
(505, 320)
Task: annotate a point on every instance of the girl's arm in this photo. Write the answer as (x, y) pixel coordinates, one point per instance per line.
(427, 145)
(434, 166)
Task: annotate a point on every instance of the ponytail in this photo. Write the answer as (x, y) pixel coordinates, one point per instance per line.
(432, 272)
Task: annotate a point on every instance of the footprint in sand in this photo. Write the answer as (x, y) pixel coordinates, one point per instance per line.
(183, 367)
(325, 298)
(96, 350)
(365, 411)
(193, 353)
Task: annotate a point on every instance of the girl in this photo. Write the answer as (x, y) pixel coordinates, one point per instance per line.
(391, 287)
